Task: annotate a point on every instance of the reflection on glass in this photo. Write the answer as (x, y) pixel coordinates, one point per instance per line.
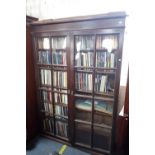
(84, 42)
(83, 104)
(59, 43)
(107, 42)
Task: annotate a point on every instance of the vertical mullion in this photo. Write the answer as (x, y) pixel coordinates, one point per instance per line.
(50, 39)
(71, 84)
(92, 116)
(37, 77)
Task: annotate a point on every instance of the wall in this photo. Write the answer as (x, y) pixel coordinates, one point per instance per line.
(45, 9)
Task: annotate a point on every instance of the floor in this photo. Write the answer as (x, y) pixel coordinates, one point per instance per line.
(44, 146)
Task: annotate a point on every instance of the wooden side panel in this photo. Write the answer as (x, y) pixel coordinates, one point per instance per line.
(31, 104)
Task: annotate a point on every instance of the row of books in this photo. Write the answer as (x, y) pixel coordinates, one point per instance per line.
(83, 81)
(44, 57)
(84, 42)
(61, 98)
(43, 43)
(105, 59)
(46, 95)
(60, 79)
(59, 57)
(56, 42)
(45, 76)
(61, 128)
(108, 42)
(84, 59)
(48, 107)
(60, 110)
(104, 83)
(48, 125)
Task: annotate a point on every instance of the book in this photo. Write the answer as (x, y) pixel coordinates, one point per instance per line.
(46, 43)
(103, 83)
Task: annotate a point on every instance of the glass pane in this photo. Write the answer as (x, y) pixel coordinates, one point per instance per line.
(84, 42)
(105, 59)
(43, 43)
(59, 97)
(60, 79)
(61, 127)
(59, 57)
(45, 77)
(84, 51)
(83, 81)
(60, 110)
(107, 42)
(103, 112)
(44, 57)
(48, 125)
(46, 95)
(58, 43)
(83, 109)
(83, 133)
(106, 46)
(104, 83)
(102, 138)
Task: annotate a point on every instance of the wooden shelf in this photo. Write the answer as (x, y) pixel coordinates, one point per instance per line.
(44, 65)
(43, 49)
(85, 50)
(66, 117)
(62, 88)
(45, 88)
(81, 121)
(83, 145)
(49, 133)
(83, 96)
(102, 125)
(63, 138)
(83, 71)
(62, 49)
(59, 65)
(101, 150)
(104, 94)
(61, 104)
(83, 91)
